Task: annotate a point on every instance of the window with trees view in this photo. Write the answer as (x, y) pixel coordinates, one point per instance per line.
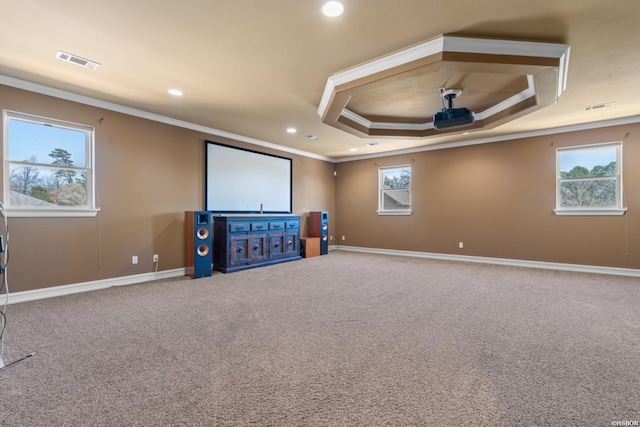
(394, 194)
(589, 180)
(48, 166)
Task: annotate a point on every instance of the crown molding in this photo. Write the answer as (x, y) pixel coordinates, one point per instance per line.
(450, 43)
(69, 96)
(499, 138)
(94, 102)
(495, 109)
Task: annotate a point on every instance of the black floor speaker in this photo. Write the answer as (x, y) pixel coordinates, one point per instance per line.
(199, 245)
(319, 227)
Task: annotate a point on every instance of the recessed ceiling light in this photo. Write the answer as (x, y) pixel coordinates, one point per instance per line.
(370, 144)
(313, 137)
(292, 130)
(353, 149)
(333, 8)
(175, 92)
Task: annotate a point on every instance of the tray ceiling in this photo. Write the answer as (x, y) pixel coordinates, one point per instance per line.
(505, 79)
(252, 69)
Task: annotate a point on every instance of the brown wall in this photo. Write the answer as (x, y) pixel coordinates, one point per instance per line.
(498, 199)
(147, 175)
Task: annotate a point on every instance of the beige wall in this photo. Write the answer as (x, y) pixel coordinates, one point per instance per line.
(497, 199)
(147, 175)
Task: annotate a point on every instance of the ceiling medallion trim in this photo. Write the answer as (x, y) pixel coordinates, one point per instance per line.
(513, 57)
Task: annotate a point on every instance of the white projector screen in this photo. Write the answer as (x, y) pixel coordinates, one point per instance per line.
(244, 181)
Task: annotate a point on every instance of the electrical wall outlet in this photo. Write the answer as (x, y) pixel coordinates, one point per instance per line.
(155, 258)
(343, 238)
(460, 245)
(134, 259)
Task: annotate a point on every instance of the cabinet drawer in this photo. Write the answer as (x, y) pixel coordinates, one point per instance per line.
(292, 224)
(276, 225)
(235, 227)
(259, 226)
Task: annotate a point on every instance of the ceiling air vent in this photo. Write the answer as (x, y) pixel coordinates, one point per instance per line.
(77, 60)
(598, 106)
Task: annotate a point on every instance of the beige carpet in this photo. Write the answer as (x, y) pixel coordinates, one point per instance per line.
(343, 339)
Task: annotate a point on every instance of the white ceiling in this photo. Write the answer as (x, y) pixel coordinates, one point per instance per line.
(255, 67)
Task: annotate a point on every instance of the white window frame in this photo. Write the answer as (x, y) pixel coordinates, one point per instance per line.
(619, 209)
(381, 190)
(88, 210)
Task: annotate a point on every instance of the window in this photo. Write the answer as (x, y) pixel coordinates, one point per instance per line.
(394, 194)
(48, 168)
(589, 180)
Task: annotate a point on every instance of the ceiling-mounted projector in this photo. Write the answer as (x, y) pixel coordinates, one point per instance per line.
(452, 117)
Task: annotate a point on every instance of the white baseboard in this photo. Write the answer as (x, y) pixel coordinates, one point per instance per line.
(499, 261)
(56, 291)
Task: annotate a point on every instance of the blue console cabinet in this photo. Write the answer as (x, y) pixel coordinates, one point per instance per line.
(247, 241)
